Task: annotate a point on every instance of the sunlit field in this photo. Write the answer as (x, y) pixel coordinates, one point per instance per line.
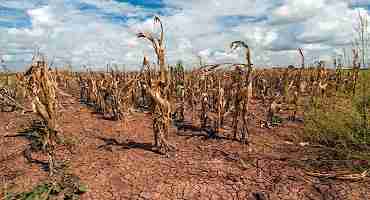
(224, 127)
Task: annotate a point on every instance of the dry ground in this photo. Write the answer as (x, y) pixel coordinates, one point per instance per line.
(116, 161)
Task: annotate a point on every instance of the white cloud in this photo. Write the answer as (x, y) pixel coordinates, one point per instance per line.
(296, 10)
(328, 26)
(7, 58)
(41, 16)
(192, 27)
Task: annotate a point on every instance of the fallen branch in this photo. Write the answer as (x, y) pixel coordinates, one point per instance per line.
(353, 177)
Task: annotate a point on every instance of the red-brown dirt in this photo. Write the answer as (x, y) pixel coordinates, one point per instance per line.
(116, 161)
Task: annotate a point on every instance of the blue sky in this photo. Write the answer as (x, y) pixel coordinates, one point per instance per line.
(97, 32)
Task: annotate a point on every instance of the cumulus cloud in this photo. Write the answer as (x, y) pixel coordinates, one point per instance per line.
(97, 32)
(292, 11)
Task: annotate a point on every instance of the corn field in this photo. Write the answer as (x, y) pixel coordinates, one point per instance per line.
(224, 100)
(217, 95)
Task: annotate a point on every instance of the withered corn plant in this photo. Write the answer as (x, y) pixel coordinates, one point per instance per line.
(296, 89)
(159, 93)
(146, 78)
(220, 105)
(338, 74)
(41, 87)
(204, 109)
(243, 92)
(178, 77)
(191, 99)
(355, 70)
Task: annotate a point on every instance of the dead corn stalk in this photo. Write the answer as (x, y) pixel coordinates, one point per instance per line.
(42, 87)
(243, 93)
(161, 108)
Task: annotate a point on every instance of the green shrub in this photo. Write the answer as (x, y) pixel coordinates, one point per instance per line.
(336, 127)
(340, 122)
(70, 189)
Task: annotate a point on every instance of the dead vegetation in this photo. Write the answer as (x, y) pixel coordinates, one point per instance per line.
(225, 102)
